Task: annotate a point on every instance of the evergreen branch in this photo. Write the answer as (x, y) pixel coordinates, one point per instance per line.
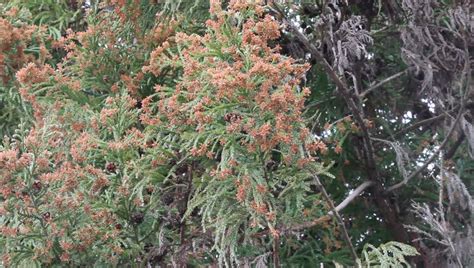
(343, 90)
(389, 213)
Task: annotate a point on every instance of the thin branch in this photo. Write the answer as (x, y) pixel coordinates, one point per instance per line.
(325, 218)
(425, 122)
(450, 153)
(341, 206)
(419, 124)
(381, 83)
(353, 195)
(338, 217)
(308, 224)
(432, 157)
(276, 253)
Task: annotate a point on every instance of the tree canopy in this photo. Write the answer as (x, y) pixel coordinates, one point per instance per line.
(239, 133)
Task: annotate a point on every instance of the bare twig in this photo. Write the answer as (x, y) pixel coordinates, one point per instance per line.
(450, 153)
(339, 207)
(308, 224)
(419, 124)
(381, 83)
(338, 217)
(353, 195)
(425, 122)
(325, 218)
(276, 252)
(432, 157)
